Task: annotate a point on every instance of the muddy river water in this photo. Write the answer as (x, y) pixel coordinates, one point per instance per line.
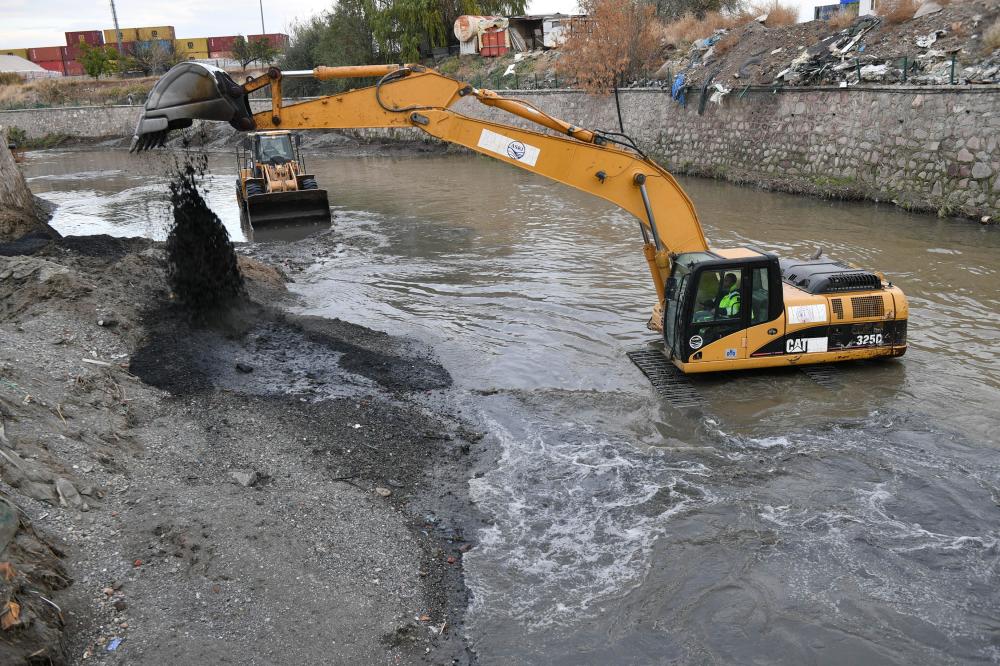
(784, 522)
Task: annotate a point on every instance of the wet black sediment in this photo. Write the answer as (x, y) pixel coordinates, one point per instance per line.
(201, 263)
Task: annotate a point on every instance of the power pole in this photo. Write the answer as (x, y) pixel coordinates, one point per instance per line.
(118, 33)
(262, 31)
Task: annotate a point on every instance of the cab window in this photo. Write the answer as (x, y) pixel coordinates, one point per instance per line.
(277, 148)
(759, 296)
(718, 307)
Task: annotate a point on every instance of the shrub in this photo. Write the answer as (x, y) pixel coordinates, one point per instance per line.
(841, 20)
(10, 79)
(778, 14)
(897, 11)
(50, 92)
(991, 37)
(689, 27)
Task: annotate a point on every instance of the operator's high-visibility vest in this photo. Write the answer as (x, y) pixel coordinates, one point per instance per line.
(730, 303)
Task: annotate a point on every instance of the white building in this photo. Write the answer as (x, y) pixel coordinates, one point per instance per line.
(26, 69)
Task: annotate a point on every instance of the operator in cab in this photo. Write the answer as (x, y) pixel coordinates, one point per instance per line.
(729, 306)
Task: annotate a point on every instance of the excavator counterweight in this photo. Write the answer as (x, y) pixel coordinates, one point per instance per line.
(716, 308)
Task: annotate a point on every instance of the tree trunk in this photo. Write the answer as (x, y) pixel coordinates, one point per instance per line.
(18, 212)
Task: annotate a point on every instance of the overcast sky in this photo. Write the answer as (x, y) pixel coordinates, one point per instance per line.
(28, 23)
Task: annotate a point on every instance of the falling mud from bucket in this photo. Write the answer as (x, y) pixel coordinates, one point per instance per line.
(201, 263)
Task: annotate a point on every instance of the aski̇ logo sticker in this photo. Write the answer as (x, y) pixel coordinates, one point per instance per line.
(696, 342)
(515, 150)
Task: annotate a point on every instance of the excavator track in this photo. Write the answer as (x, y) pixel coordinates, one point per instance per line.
(666, 378)
(826, 376)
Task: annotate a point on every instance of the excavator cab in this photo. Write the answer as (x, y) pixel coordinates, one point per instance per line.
(710, 298)
(742, 308)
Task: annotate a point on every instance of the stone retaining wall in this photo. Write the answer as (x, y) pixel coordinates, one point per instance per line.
(923, 148)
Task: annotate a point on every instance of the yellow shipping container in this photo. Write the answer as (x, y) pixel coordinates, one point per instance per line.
(156, 32)
(191, 45)
(128, 35)
(20, 53)
(196, 55)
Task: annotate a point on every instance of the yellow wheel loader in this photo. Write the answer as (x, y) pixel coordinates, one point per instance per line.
(272, 186)
(716, 308)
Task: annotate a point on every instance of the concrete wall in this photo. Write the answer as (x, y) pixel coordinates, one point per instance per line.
(924, 148)
(88, 122)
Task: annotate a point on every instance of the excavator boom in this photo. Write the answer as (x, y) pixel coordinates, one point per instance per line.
(413, 96)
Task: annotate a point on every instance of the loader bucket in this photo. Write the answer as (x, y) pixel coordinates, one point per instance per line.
(190, 91)
(298, 207)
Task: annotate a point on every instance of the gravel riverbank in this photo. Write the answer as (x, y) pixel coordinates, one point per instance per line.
(262, 489)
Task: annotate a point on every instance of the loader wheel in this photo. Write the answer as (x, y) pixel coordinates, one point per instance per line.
(309, 184)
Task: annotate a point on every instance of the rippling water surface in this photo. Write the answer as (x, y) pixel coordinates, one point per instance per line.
(782, 523)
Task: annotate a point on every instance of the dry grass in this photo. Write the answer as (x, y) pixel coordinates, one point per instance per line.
(841, 20)
(10, 79)
(726, 43)
(991, 37)
(57, 92)
(778, 14)
(897, 11)
(689, 27)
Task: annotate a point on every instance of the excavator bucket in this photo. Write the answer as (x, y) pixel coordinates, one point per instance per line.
(190, 91)
(301, 207)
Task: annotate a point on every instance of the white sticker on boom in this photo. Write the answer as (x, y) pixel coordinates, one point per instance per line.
(805, 345)
(807, 314)
(508, 147)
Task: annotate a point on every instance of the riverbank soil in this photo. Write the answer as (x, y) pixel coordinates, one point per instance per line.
(256, 488)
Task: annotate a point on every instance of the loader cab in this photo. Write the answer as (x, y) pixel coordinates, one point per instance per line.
(719, 296)
(273, 148)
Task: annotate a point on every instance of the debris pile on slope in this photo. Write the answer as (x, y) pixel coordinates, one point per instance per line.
(939, 46)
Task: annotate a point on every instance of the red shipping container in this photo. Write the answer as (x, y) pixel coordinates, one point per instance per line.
(220, 55)
(275, 39)
(92, 37)
(52, 65)
(45, 54)
(72, 52)
(73, 68)
(494, 44)
(221, 43)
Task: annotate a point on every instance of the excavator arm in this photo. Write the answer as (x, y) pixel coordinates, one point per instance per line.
(412, 96)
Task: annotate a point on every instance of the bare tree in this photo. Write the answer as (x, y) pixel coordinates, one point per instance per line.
(617, 41)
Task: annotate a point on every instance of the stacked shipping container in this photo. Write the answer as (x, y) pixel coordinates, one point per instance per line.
(90, 37)
(66, 59)
(128, 35)
(221, 47)
(194, 48)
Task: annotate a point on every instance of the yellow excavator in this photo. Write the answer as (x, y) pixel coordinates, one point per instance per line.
(716, 308)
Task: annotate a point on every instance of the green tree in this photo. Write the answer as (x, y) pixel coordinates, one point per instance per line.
(243, 52)
(98, 61)
(341, 37)
(672, 9)
(265, 53)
